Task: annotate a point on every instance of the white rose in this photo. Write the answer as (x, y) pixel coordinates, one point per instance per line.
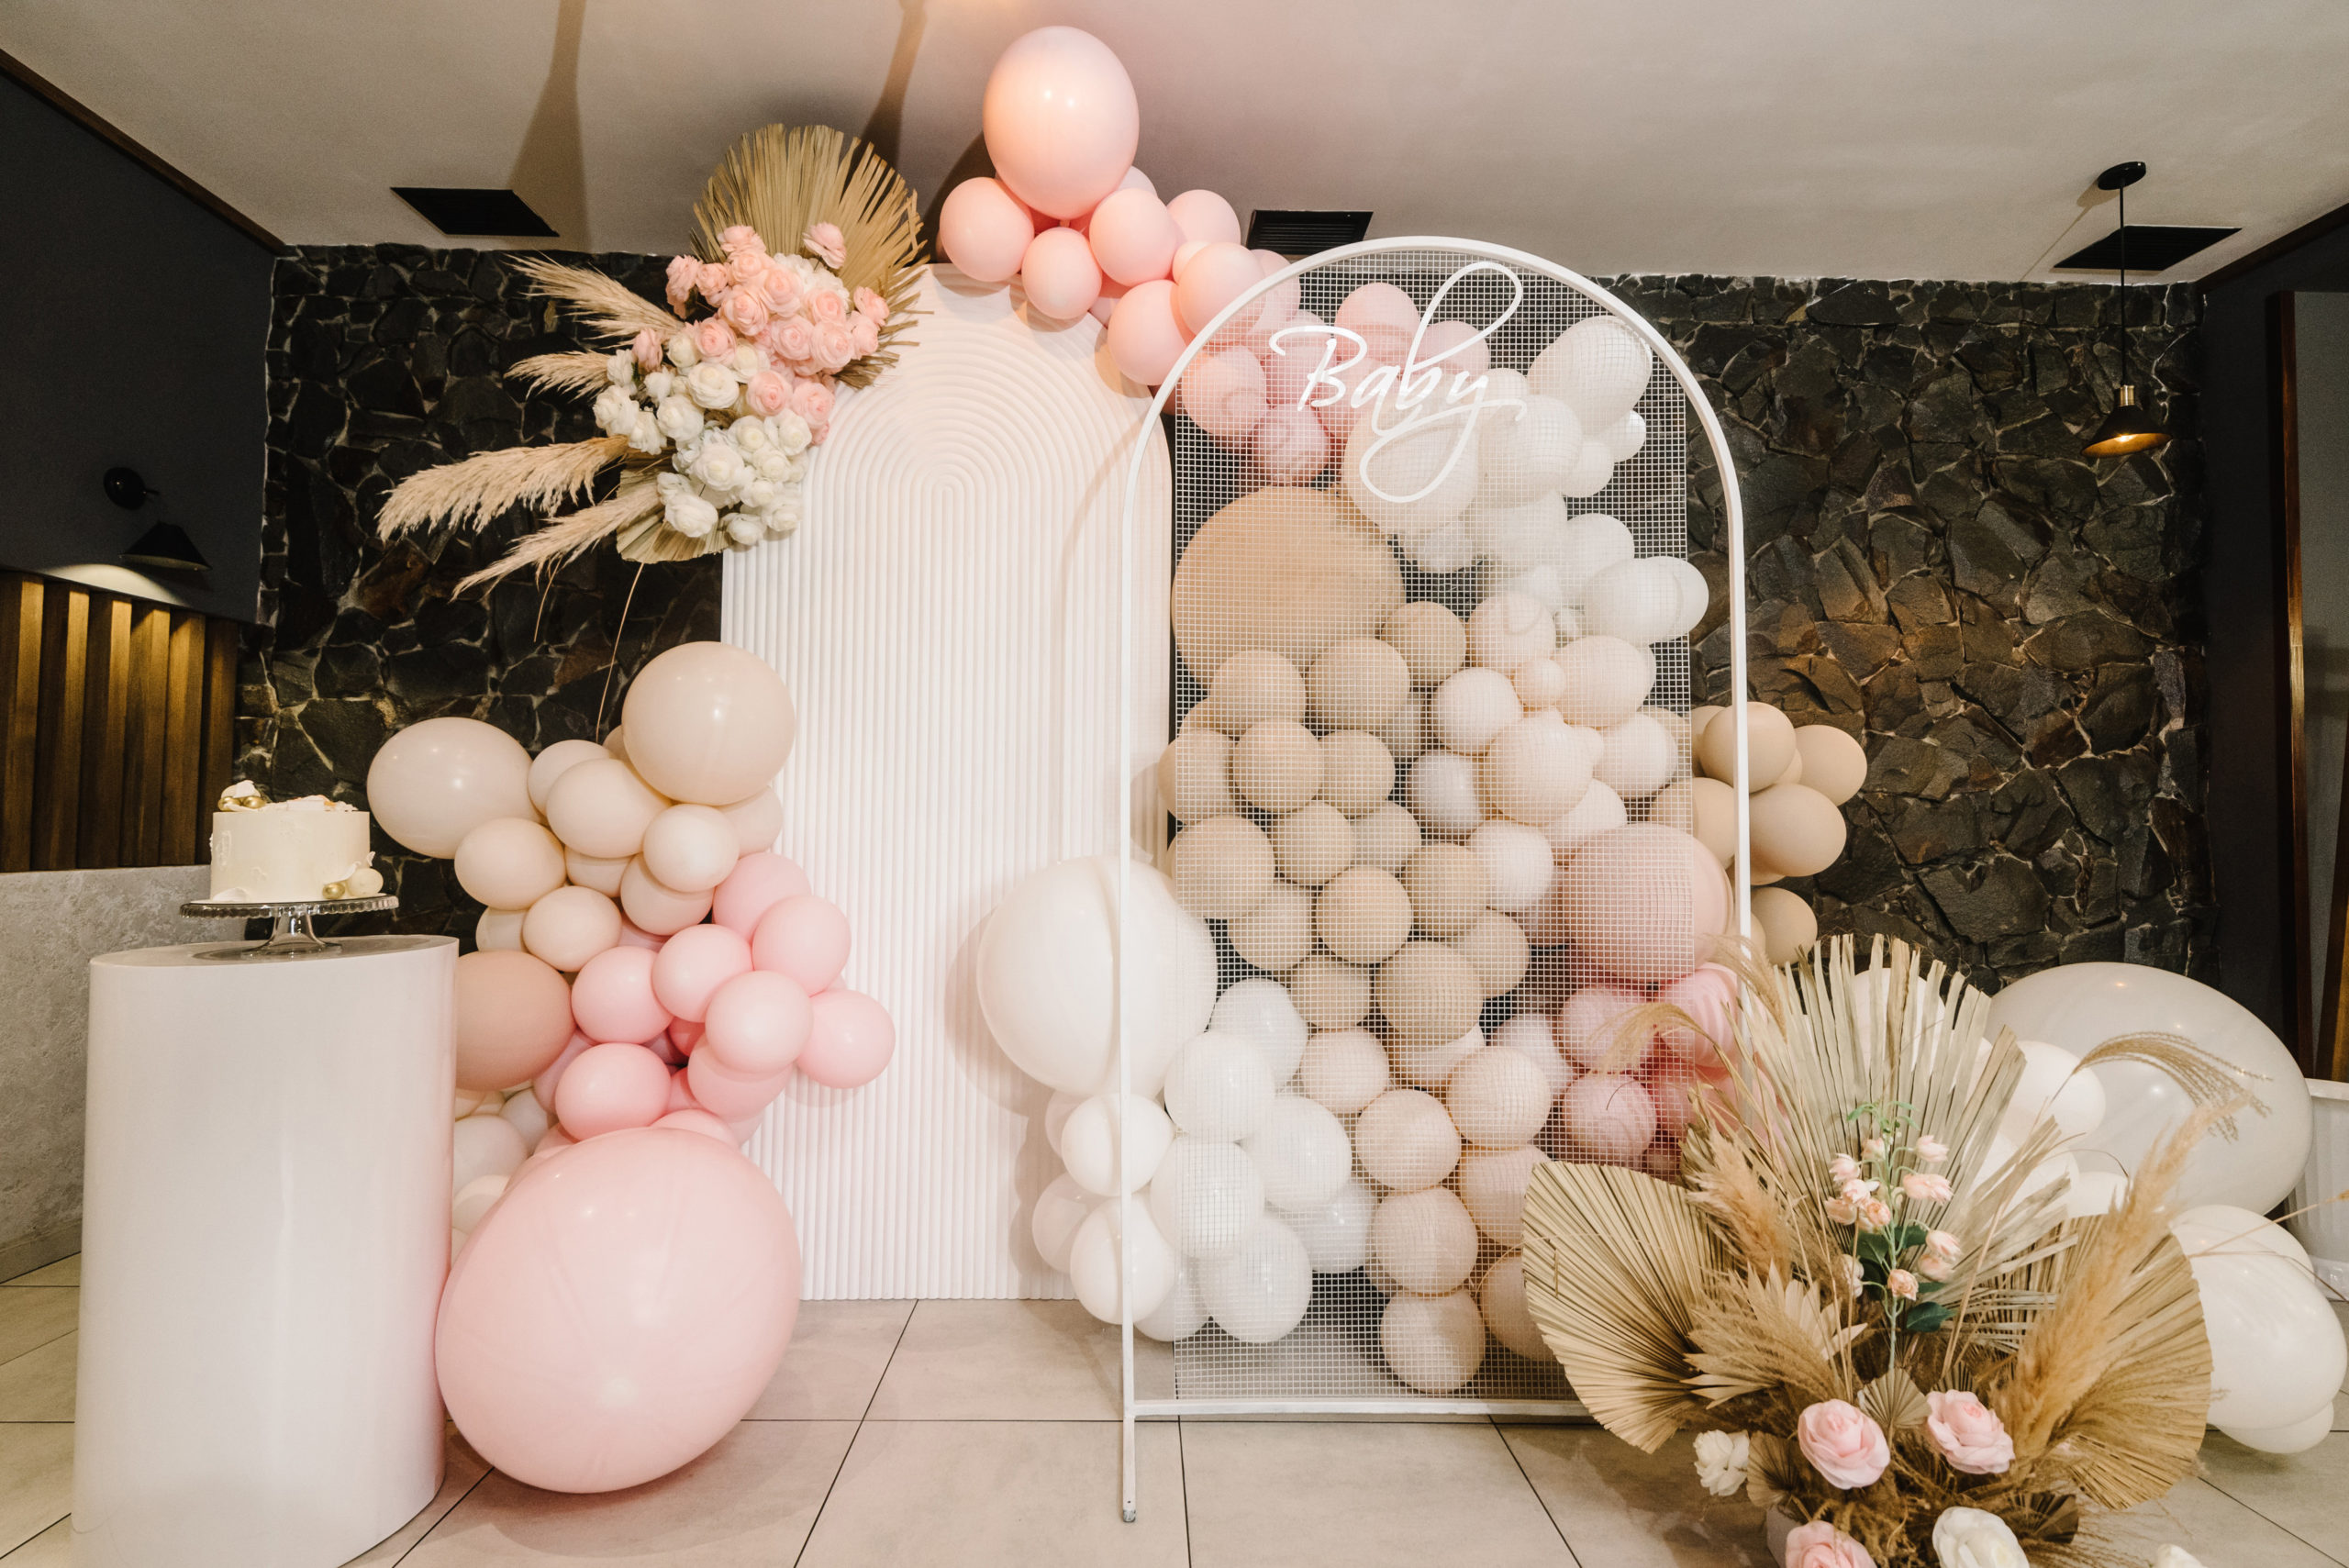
(659, 385)
(2174, 1556)
(719, 466)
(743, 531)
(615, 411)
(680, 420)
(790, 432)
(748, 361)
(1969, 1538)
(621, 368)
(669, 485)
(760, 495)
(1721, 1461)
(713, 385)
(772, 466)
(690, 515)
(646, 437)
(750, 435)
(682, 352)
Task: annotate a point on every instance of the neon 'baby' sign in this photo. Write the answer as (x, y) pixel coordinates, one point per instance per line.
(1412, 384)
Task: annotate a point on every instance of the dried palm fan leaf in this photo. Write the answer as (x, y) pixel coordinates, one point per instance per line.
(1615, 1262)
(565, 538)
(1765, 1332)
(469, 493)
(780, 180)
(610, 309)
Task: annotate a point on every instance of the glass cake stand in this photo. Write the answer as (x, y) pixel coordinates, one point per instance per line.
(290, 934)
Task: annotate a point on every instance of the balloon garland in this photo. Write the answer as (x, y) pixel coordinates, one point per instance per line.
(650, 975)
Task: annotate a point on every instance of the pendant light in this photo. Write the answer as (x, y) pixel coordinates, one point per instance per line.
(2130, 427)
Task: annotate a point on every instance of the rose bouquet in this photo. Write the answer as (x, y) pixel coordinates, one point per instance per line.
(1884, 1318)
(712, 402)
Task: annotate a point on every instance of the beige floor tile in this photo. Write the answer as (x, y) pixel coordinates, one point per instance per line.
(52, 1548)
(747, 1503)
(64, 1272)
(1011, 1360)
(2301, 1492)
(1001, 1495)
(463, 1472)
(31, 1318)
(2219, 1531)
(36, 1479)
(1363, 1495)
(839, 1350)
(1629, 1509)
(38, 1385)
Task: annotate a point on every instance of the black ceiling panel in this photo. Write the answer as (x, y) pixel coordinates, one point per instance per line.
(2153, 248)
(458, 210)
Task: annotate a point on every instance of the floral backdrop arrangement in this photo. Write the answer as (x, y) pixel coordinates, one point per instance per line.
(1883, 1318)
(712, 403)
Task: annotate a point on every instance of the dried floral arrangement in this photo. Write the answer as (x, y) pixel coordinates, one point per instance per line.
(808, 256)
(1876, 1312)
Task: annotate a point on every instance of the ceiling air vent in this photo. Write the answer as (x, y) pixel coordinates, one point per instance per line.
(2153, 248)
(457, 210)
(1305, 233)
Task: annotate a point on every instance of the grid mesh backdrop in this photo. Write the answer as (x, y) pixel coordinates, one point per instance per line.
(1416, 669)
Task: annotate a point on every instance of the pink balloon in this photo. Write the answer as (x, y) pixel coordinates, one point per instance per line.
(1135, 180)
(984, 231)
(1670, 1082)
(1060, 120)
(1278, 308)
(1286, 370)
(1291, 447)
(1642, 902)
(1587, 1023)
(757, 1024)
(1205, 216)
(1708, 996)
(735, 1096)
(1133, 236)
(1216, 277)
(1145, 338)
(1059, 275)
(692, 965)
(695, 1119)
(684, 1034)
(1270, 260)
(1183, 255)
(635, 936)
(1610, 1118)
(543, 1086)
(1453, 347)
(757, 884)
(512, 1016)
(618, 1311)
(1224, 394)
(612, 998)
(1384, 315)
(662, 1046)
(680, 1096)
(804, 938)
(1112, 292)
(849, 1042)
(610, 1088)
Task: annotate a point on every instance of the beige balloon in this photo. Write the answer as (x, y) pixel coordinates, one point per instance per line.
(1428, 993)
(1387, 837)
(656, 909)
(1364, 915)
(1313, 843)
(1769, 746)
(1435, 1343)
(433, 783)
(1276, 765)
(509, 862)
(1255, 685)
(1282, 568)
(1221, 867)
(1787, 926)
(1797, 831)
(1498, 1098)
(602, 808)
(1447, 887)
(1343, 1070)
(756, 819)
(570, 925)
(1357, 771)
(1278, 932)
(600, 872)
(1330, 994)
(1406, 1140)
(1195, 775)
(1496, 948)
(1433, 640)
(1357, 685)
(1833, 763)
(1424, 1240)
(1492, 1185)
(554, 762)
(708, 723)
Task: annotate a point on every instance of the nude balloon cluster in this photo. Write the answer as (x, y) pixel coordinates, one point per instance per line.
(645, 958)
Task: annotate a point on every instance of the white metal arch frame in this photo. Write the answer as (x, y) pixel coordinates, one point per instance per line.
(1734, 519)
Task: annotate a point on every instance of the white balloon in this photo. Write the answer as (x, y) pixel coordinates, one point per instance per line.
(1589, 544)
(1260, 1292)
(2297, 1438)
(2095, 1192)
(1471, 706)
(474, 1200)
(1600, 810)
(1048, 983)
(1205, 1196)
(1430, 1067)
(1518, 861)
(1056, 1111)
(1445, 795)
(1151, 1265)
(2053, 1087)
(1092, 1138)
(1519, 535)
(1443, 550)
(1533, 1034)
(1637, 757)
(1623, 439)
(2220, 1229)
(1638, 601)
(529, 1117)
(1061, 1208)
(1598, 367)
(1435, 1343)
(1260, 1012)
(2276, 1350)
(2079, 1006)
(1180, 1315)
(1219, 1086)
(1302, 1153)
(1337, 1234)
(1408, 475)
(486, 1144)
(1526, 451)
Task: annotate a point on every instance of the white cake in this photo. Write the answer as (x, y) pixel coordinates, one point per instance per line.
(289, 851)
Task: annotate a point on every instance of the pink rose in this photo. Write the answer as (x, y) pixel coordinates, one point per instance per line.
(825, 306)
(790, 340)
(712, 278)
(1875, 1214)
(1931, 1150)
(1843, 1444)
(769, 393)
(745, 309)
(683, 272)
(713, 340)
(825, 242)
(864, 334)
(1821, 1545)
(742, 239)
(1902, 1283)
(1842, 1169)
(812, 401)
(1842, 1210)
(645, 347)
(833, 347)
(1921, 1188)
(782, 288)
(872, 307)
(1968, 1433)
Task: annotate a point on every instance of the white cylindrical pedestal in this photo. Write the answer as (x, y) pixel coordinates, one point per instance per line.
(265, 1232)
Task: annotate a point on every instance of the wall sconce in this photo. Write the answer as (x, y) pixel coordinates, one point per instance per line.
(165, 547)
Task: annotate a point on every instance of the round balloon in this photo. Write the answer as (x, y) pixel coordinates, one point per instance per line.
(708, 723)
(2078, 1007)
(1060, 120)
(618, 1310)
(513, 1014)
(849, 1040)
(433, 783)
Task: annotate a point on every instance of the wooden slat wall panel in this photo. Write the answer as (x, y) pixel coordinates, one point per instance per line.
(118, 727)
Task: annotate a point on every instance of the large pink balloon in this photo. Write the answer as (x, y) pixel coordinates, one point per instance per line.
(692, 965)
(849, 1042)
(622, 1307)
(612, 998)
(1145, 338)
(1642, 902)
(707, 722)
(513, 1016)
(1060, 120)
(757, 1024)
(757, 884)
(983, 229)
(805, 937)
(433, 783)
(611, 1087)
(1060, 274)
(1216, 276)
(1133, 236)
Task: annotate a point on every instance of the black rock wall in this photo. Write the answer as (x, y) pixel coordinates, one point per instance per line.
(2007, 626)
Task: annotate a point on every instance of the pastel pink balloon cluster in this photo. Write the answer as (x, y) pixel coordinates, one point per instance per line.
(1069, 215)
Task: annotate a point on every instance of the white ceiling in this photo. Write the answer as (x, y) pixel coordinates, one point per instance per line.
(1805, 138)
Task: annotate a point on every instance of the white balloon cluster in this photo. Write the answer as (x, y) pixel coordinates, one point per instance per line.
(2278, 1354)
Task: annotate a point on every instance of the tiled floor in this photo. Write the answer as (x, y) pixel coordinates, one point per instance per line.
(984, 1433)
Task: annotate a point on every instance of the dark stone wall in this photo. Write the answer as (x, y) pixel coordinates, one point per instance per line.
(2009, 627)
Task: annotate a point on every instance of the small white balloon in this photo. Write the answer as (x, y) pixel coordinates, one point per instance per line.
(1092, 1138)
(1519, 863)
(1180, 1315)
(486, 1144)
(474, 1199)
(1337, 1234)
(1532, 1035)
(1638, 601)
(1473, 705)
(1600, 810)
(1056, 1114)
(1598, 367)
(1301, 1151)
(1638, 757)
(1442, 550)
(2297, 1438)
(1061, 1208)
(1429, 1065)
(1261, 1013)
(1444, 793)
(1094, 1256)
(1205, 1196)
(1260, 1293)
(529, 1118)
